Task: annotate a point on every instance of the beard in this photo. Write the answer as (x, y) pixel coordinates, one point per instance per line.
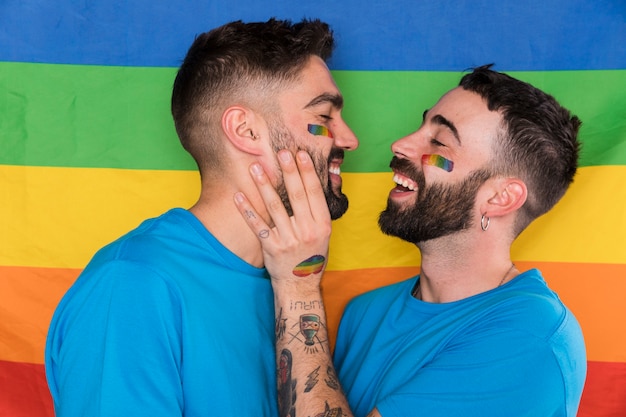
(283, 139)
(439, 210)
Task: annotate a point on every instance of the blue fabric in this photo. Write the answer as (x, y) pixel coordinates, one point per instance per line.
(401, 35)
(164, 322)
(512, 351)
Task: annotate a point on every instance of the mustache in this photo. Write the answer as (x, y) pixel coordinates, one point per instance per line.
(336, 153)
(407, 168)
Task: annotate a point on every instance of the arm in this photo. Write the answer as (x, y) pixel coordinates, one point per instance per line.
(111, 341)
(295, 252)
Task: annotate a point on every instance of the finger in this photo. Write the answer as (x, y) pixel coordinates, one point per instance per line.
(271, 199)
(313, 187)
(252, 218)
(296, 191)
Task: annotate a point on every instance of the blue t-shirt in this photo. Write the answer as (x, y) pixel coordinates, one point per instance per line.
(513, 351)
(164, 321)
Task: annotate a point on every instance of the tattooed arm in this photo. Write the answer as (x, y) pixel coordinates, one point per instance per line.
(295, 252)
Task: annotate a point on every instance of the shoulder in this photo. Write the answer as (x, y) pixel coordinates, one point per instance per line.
(529, 304)
(381, 297)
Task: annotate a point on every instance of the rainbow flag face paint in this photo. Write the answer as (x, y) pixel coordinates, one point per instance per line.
(313, 265)
(438, 161)
(319, 130)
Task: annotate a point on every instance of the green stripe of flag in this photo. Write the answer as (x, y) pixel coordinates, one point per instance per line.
(118, 117)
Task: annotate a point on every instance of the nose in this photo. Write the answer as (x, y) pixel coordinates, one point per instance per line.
(345, 137)
(406, 147)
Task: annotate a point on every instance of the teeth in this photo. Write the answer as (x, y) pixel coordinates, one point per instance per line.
(334, 170)
(404, 182)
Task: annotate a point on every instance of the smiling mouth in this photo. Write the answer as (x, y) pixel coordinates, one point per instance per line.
(404, 184)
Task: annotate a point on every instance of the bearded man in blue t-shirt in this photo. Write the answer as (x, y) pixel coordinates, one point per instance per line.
(471, 335)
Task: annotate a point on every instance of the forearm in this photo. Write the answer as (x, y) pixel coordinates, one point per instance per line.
(307, 382)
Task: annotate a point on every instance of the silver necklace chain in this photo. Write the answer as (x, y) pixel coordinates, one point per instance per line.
(417, 291)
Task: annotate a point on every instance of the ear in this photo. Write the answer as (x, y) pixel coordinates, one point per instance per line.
(242, 126)
(508, 195)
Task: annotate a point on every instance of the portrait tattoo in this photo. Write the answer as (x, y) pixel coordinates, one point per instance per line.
(286, 386)
(307, 328)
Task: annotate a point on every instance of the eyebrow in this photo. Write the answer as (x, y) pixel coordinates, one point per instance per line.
(440, 120)
(335, 99)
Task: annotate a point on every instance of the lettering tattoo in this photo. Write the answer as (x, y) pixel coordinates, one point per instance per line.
(250, 214)
(306, 305)
(286, 386)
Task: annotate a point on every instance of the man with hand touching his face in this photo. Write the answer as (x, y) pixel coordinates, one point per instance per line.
(471, 335)
(176, 318)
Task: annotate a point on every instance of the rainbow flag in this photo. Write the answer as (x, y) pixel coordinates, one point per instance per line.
(88, 148)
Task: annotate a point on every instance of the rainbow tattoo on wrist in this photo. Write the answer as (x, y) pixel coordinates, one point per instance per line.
(438, 161)
(313, 265)
(319, 130)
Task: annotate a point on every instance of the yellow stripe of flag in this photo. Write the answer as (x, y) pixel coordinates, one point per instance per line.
(58, 217)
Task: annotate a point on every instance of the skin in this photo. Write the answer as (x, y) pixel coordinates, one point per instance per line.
(459, 265)
(446, 260)
(313, 99)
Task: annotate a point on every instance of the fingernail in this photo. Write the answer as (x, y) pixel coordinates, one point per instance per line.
(284, 156)
(256, 169)
(302, 156)
(239, 197)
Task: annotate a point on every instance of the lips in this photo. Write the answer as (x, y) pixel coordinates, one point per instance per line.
(335, 159)
(405, 184)
(407, 177)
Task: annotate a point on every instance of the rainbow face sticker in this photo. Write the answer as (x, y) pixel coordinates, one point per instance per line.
(313, 265)
(319, 130)
(438, 161)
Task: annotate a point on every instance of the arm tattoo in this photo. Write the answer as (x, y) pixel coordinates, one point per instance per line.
(312, 379)
(306, 305)
(332, 381)
(280, 325)
(312, 265)
(330, 412)
(307, 328)
(286, 386)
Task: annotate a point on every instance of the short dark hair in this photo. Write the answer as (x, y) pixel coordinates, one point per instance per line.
(245, 62)
(538, 141)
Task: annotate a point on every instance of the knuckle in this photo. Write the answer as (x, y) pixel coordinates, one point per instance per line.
(275, 205)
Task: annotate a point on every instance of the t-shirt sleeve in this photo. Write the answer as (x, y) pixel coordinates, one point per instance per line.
(114, 346)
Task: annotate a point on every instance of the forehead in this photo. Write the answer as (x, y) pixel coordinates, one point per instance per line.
(468, 113)
(315, 80)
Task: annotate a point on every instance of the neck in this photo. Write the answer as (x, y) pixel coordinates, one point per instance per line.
(452, 281)
(228, 226)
